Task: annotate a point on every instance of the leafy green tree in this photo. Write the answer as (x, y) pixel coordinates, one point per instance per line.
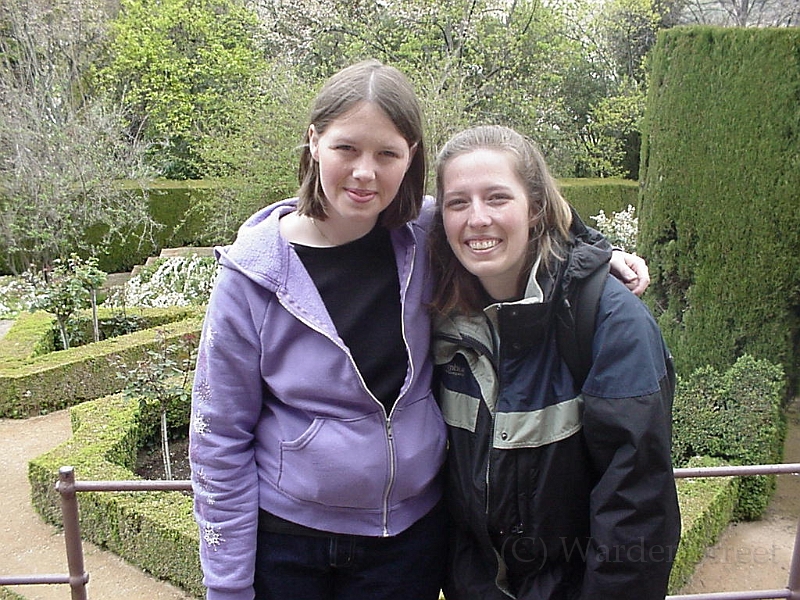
(161, 379)
(628, 30)
(616, 39)
(257, 154)
(91, 278)
(60, 291)
(612, 136)
(62, 145)
(182, 69)
(471, 60)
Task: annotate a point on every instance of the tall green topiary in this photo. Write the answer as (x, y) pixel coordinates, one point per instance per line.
(720, 201)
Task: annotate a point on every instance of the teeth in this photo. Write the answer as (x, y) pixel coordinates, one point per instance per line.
(482, 244)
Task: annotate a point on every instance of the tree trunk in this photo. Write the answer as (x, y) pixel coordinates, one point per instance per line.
(165, 446)
(95, 324)
(62, 328)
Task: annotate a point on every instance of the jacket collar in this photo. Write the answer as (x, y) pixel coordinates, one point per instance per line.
(543, 288)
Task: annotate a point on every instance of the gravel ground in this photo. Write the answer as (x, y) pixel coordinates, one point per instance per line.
(31, 546)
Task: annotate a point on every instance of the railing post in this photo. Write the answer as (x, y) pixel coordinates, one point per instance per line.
(72, 533)
(794, 569)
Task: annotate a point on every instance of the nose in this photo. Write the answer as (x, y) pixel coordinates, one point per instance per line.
(478, 215)
(364, 168)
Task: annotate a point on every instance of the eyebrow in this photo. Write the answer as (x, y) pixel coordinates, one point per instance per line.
(496, 187)
(352, 142)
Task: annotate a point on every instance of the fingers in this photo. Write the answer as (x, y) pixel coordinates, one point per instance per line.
(638, 265)
(632, 270)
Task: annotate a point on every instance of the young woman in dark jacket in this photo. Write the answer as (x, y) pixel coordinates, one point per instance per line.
(558, 490)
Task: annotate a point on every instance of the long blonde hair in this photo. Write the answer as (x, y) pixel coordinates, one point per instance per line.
(457, 290)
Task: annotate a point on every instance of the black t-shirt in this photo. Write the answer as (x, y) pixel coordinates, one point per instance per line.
(360, 287)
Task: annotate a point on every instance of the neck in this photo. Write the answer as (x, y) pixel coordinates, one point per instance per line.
(338, 233)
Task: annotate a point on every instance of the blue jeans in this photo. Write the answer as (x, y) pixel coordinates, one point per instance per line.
(409, 566)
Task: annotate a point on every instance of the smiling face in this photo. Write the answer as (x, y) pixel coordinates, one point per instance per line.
(486, 216)
(363, 159)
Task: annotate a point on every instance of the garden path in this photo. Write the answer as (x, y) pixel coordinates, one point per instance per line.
(756, 555)
(31, 546)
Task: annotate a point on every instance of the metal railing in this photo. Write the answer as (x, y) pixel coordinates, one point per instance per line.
(792, 589)
(77, 578)
(68, 487)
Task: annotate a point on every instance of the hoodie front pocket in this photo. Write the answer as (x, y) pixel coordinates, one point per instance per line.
(337, 462)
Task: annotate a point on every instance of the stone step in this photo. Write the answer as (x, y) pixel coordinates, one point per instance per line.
(172, 252)
(188, 251)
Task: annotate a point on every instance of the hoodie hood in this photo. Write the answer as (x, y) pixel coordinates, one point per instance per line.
(261, 253)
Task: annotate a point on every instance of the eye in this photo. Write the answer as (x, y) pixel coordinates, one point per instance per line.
(344, 147)
(455, 203)
(499, 198)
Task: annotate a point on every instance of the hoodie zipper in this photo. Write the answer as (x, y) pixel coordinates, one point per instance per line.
(390, 445)
(389, 431)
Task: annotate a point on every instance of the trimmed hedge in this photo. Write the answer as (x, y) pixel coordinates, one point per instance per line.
(33, 385)
(590, 196)
(31, 334)
(154, 530)
(170, 204)
(707, 506)
(157, 532)
(735, 416)
(720, 202)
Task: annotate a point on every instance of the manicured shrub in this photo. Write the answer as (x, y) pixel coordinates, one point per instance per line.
(590, 196)
(735, 416)
(720, 202)
(7, 594)
(32, 383)
(153, 530)
(707, 505)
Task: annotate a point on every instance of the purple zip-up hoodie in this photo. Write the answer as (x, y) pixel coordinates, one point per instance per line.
(282, 419)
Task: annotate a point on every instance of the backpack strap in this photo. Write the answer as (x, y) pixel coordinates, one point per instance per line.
(576, 323)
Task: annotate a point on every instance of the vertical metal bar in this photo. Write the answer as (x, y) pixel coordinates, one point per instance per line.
(794, 569)
(72, 533)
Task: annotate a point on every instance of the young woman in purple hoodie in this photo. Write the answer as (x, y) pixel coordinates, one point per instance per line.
(316, 444)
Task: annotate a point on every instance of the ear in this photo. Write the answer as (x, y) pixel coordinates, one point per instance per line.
(534, 216)
(412, 152)
(313, 142)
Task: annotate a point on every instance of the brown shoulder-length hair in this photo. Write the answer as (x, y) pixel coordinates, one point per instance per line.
(390, 90)
(458, 290)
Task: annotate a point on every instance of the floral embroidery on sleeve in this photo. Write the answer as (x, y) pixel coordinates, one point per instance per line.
(211, 536)
(200, 424)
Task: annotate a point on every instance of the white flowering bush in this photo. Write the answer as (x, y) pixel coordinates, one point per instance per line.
(173, 281)
(621, 229)
(17, 295)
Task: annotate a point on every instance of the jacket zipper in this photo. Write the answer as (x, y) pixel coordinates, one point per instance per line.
(389, 432)
(494, 355)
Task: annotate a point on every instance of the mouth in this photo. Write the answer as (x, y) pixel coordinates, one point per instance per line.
(483, 244)
(361, 195)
